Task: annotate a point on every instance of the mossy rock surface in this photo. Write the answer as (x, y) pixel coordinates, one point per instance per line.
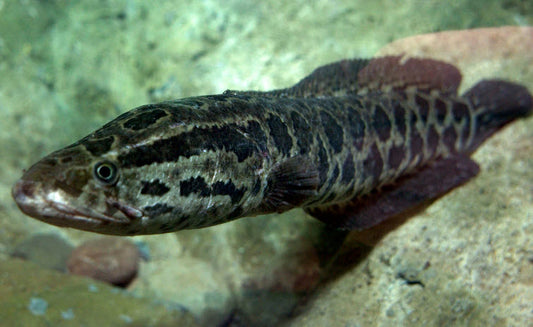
(33, 296)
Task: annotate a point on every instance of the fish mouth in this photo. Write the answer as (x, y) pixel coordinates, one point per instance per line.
(53, 208)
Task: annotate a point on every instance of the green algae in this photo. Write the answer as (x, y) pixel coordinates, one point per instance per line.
(33, 296)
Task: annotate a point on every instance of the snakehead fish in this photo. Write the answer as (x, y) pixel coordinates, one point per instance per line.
(354, 143)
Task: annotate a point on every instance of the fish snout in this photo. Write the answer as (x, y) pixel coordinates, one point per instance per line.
(26, 196)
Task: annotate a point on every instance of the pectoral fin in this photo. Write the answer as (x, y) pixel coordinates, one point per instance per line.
(406, 193)
(290, 183)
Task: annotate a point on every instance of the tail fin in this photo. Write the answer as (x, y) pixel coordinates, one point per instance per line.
(497, 103)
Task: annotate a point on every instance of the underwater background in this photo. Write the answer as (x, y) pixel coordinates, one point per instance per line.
(68, 67)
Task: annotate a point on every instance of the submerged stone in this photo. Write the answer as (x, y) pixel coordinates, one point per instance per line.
(50, 298)
(109, 259)
(47, 250)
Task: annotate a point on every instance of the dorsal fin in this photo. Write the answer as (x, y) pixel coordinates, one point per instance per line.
(397, 73)
(383, 74)
(335, 79)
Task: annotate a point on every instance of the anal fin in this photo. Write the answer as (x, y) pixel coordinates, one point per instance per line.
(406, 193)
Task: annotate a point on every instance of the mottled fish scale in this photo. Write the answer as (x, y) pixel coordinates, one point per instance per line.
(353, 143)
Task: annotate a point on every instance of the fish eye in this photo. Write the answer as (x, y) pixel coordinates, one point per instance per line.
(106, 172)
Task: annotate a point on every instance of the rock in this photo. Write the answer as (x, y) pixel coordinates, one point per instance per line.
(273, 289)
(252, 270)
(109, 259)
(47, 250)
(500, 52)
(189, 283)
(33, 296)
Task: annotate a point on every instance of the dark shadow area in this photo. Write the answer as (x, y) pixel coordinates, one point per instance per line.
(354, 248)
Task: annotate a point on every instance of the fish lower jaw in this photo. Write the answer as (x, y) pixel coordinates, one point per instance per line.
(52, 208)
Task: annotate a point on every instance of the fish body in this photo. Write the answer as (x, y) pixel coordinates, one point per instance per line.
(353, 143)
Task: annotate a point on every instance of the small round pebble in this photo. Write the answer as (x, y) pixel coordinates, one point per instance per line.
(47, 250)
(109, 259)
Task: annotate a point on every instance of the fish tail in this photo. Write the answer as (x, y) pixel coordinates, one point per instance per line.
(497, 103)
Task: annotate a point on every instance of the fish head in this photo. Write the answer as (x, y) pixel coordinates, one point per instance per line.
(137, 175)
(71, 188)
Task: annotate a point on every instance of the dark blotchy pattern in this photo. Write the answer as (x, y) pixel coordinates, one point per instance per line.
(97, 147)
(440, 110)
(459, 111)
(198, 186)
(348, 170)
(373, 164)
(145, 119)
(257, 186)
(413, 119)
(416, 145)
(334, 132)
(155, 188)
(303, 131)
(465, 131)
(399, 118)
(157, 209)
(449, 137)
(423, 107)
(357, 129)
(460, 114)
(323, 165)
(279, 133)
(256, 133)
(433, 140)
(235, 213)
(381, 123)
(194, 185)
(191, 143)
(396, 156)
(228, 188)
